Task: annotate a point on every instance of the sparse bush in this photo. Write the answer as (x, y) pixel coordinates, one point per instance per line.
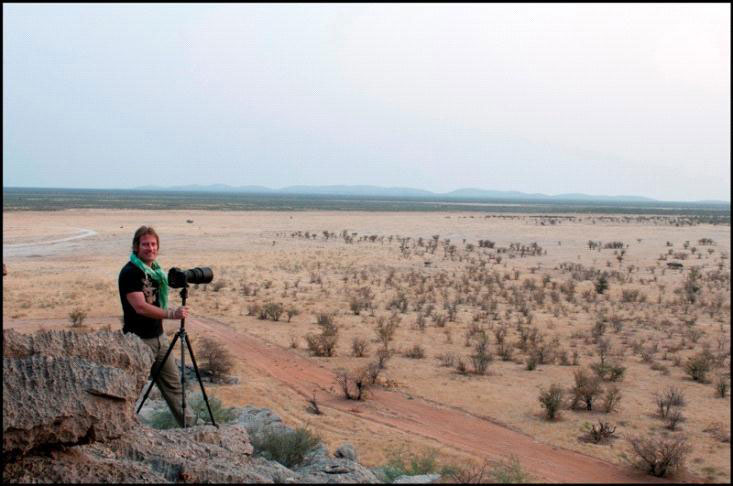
(611, 398)
(77, 317)
(403, 462)
(509, 472)
(505, 351)
(603, 433)
(601, 283)
(359, 347)
(291, 312)
(552, 400)
(674, 417)
(253, 309)
(163, 418)
(416, 352)
(698, 366)
(271, 310)
(214, 357)
(608, 371)
(721, 387)
(587, 388)
(353, 385)
(288, 447)
(447, 360)
(666, 401)
(313, 405)
(386, 328)
(481, 356)
(501, 472)
(323, 344)
(461, 367)
(659, 456)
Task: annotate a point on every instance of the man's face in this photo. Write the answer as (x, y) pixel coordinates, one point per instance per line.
(148, 249)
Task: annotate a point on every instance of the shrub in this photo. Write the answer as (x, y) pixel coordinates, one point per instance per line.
(353, 385)
(77, 317)
(272, 311)
(674, 417)
(386, 328)
(288, 447)
(447, 360)
(461, 367)
(323, 344)
(416, 352)
(721, 387)
(611, 398)
(505, 351)
(481, 356)
(659, 456)
(403, 462)
(608, 371)
(601, 283)
(163, 418)
(359, 347)
(671, 397)
(587, 388)
(253, 309)
(215, 358)
(313, 405)
(324, 319)
(552, 400)
(291, 311)
(698, 366)
(509, 471)
(603, 433)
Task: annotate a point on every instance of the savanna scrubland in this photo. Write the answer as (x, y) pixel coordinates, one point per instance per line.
(573, 329)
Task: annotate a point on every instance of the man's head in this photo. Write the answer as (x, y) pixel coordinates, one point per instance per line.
(145, 244)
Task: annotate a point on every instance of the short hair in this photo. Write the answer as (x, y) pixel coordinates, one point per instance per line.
(141, 231)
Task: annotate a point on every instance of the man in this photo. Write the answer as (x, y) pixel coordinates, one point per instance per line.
(144, 294)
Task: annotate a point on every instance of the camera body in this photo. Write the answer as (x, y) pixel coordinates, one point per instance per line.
(181, 278)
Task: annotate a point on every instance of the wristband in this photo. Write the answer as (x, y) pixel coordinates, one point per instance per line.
(170, 314)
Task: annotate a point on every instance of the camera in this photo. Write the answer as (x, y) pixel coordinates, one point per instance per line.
(181, 278)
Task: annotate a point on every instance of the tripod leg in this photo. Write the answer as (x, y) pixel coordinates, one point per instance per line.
(157, 372)
(196, 369)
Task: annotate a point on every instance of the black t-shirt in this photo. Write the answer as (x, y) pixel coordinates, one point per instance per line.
(132, 279)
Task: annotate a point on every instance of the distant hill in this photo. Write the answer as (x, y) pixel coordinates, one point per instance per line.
(376, 191)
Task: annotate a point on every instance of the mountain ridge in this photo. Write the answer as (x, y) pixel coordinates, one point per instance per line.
(369, 190)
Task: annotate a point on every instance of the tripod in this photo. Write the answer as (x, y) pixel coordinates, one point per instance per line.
(184, 338)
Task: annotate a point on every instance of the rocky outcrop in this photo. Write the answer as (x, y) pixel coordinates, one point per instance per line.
(68, 417)
(66, 388)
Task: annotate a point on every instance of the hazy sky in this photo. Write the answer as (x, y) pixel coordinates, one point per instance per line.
(612, 99)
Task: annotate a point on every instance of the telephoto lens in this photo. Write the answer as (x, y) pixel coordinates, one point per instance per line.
(198, 275)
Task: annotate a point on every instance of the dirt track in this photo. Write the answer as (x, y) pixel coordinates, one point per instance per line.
(452, 427)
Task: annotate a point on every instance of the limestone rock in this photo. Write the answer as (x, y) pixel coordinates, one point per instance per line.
(346, 451)
(64, 388)
(202, 454)
(334, 470)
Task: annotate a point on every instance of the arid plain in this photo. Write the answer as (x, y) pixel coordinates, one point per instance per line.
(490, 311)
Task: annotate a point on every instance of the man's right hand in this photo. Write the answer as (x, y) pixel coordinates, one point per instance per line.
(181, 313)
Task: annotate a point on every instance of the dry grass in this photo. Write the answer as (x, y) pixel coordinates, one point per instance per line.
(534, 293)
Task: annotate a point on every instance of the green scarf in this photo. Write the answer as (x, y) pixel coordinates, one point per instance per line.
(156, 273)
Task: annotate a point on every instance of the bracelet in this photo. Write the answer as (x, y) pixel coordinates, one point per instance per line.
(170, 314)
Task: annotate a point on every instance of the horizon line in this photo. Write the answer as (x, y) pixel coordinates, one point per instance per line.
(161, 188)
